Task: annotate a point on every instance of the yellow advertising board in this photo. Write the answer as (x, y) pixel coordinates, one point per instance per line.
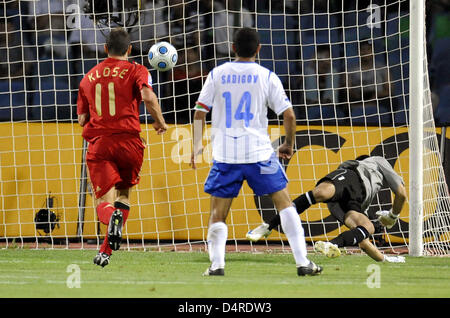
(44, 159)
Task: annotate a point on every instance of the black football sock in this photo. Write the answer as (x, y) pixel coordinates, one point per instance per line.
(274, 222)
(351, 237)
(304, 201)
(301, 204)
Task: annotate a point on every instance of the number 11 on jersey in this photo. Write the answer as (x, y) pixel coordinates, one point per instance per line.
(111, 99)
(243, 111)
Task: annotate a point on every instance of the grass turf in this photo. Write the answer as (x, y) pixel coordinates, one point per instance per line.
(136, 274)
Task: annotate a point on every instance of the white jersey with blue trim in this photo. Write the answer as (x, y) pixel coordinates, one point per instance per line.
(238, 94)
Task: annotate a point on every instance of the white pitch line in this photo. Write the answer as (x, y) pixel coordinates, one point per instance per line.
(21, 276)
(8, 282)
(152, 283)
(205, 282)
(125, 282)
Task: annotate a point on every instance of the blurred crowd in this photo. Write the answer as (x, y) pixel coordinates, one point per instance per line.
(339, 61)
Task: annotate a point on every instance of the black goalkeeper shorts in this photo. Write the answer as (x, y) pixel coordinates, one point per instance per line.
(349, 195)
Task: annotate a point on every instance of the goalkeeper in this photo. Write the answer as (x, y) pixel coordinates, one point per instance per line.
(348, 191)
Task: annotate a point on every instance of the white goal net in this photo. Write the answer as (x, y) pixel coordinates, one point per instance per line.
(344, 65)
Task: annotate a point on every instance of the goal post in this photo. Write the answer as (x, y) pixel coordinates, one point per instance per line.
(416, 102)
(429, 220)
(355, 71)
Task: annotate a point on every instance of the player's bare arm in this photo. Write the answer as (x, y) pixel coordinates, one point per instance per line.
(389, 218)
(399, 200)
(285, 151)
(153, 107)
(199, 123)
(371, 250)
(83, 119)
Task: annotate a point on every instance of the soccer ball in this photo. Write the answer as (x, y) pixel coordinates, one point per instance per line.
(162, 56)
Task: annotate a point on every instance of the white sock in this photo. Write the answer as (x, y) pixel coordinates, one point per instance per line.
(292, 227)
(217, 240)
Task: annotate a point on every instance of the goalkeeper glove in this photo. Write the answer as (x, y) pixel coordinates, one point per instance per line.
(394, 259)
(387, 218)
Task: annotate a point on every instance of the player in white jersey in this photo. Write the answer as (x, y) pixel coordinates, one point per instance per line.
(348, 192)
(238, 94)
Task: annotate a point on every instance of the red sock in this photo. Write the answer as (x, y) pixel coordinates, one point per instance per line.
(104, 248)
(104, 212)
(124, 208)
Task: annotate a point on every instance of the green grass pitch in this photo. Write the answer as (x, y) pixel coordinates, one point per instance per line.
(137, 274)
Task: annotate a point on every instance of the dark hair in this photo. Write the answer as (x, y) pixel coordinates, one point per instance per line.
(246, 41)
(362, 157)
(117, 42)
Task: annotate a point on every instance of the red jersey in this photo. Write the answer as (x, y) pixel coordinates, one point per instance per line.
(111, 94)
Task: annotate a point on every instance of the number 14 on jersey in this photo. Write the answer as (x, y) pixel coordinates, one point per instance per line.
(243, 111)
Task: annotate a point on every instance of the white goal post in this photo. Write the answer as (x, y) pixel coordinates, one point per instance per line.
(416, 102)
(356, 72)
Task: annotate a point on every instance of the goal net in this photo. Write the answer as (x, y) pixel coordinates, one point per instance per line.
(344, 65)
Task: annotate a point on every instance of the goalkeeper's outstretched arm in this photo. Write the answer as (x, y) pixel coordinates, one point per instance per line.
(399, 200)
(371, 250)
(389, 218)
(376, 255)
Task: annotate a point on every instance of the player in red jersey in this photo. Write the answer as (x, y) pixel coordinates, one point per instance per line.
(108, 110)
